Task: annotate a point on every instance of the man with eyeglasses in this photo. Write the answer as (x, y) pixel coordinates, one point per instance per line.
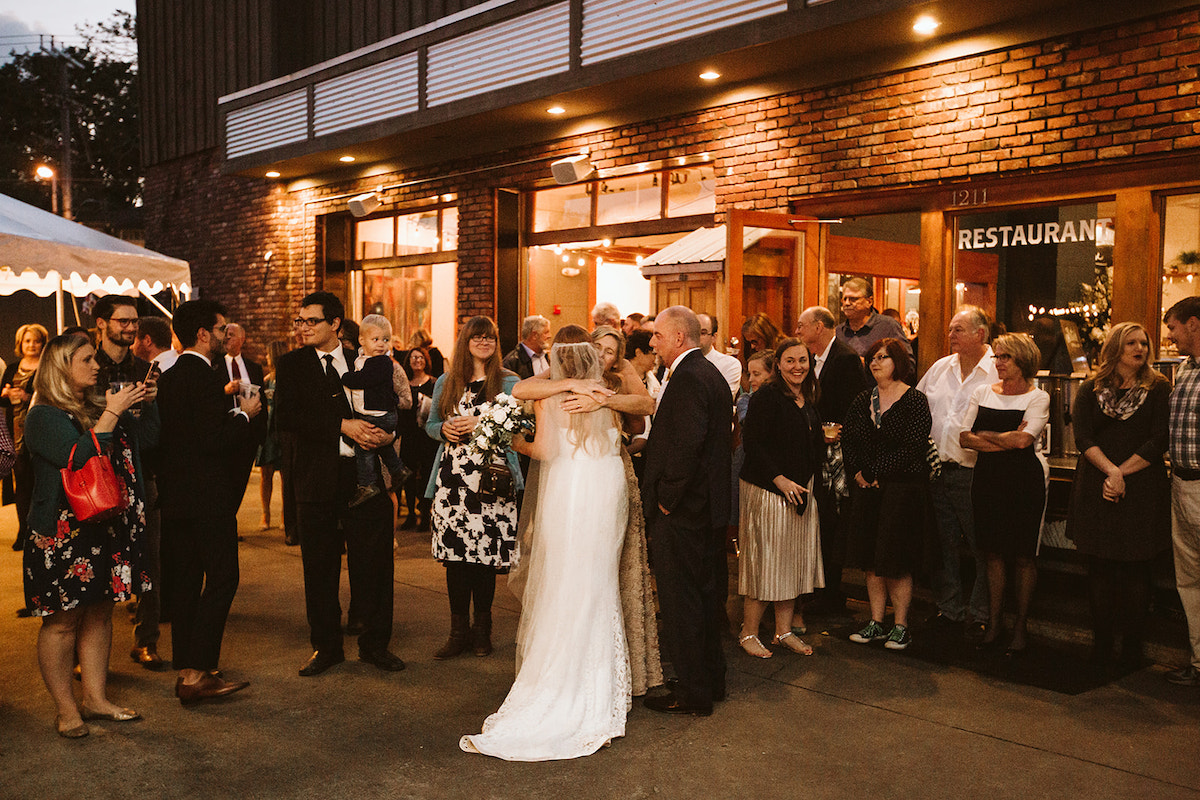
(117, 328)
(316, 428)
(948, 385)
(864, 326)
(729, 367)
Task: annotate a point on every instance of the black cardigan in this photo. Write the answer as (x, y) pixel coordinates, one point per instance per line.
(897, 448)
(780, 438)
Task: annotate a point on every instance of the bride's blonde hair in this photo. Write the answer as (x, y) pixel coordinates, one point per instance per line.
(582, 361)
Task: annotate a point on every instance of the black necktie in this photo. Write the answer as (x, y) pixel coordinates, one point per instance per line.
(335, 386)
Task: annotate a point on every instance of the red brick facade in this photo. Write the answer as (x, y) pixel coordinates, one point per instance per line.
(1112, 95)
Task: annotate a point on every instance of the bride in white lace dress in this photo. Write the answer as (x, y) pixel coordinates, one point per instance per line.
(572, 690)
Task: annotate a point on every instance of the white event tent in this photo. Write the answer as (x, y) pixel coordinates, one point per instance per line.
(49, 255)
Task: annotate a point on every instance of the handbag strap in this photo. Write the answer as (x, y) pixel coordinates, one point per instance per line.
(71, 458)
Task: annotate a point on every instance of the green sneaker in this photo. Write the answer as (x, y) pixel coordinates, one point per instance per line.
(873, 632)
(898, 639)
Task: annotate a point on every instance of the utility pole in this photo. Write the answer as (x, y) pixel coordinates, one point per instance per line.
(64, 170)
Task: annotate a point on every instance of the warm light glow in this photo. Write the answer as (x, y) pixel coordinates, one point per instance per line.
(44, 172)
(710, 75)
(682, 160)
(272, 174)
(556, 110)
(926, 25)
(346, 159)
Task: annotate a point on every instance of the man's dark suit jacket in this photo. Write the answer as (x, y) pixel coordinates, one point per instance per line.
(517, 360)
(842, 379)
(309, 419)
(200, 435)
(255, 375)
(687, 456)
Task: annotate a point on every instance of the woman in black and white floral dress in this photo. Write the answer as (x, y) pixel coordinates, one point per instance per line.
(474, 533)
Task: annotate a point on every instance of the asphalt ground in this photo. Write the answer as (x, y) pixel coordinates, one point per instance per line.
(849, 722)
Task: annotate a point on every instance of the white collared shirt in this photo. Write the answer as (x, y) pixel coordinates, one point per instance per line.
(821, 359)
(166, 359)
(949, 398)
(667, 377)
(729, 367)
(340, 365)
(538, 360)
(242, 371)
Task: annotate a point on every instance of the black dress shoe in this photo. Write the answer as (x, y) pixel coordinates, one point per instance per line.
(321, 661)
(291, 540)
(717, 695)
(670, 704)
(148, 657)
(354, 628)
(382, 659)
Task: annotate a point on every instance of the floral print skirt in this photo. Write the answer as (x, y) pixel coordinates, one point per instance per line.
(468, 526)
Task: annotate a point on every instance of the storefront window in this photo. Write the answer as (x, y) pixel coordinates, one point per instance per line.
(563, 208)
(632, 199)
(449, 228)
(563, 278)
(1046, 271)
(376, 238)
(682, 192)
(692, 190)
(418, 297)
(1181, 256)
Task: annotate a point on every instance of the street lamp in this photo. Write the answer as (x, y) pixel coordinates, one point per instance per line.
(45, 172)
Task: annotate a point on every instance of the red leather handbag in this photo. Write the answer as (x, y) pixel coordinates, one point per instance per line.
(94, 491)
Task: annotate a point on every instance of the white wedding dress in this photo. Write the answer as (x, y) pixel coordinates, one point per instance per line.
(572, 690)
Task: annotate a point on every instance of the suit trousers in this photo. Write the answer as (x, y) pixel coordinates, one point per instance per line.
(149, 605)
(200, 579)
(368, 536)
(685, 569)
(1185, 535)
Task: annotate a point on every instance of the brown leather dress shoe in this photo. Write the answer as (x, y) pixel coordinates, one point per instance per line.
(383, 659)
(148, 657)
(206, 688)
(673, 704)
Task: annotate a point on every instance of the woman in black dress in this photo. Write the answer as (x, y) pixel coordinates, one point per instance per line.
(884, 442)
(1008, 490)
(1119, 515)
(15, 396)
(416, 448)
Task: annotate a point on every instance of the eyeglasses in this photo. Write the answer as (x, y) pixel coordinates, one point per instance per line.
(849, 301)
(483, 337)
(1003, 356)
(880, 357)
(124, 322)
(308, 322)
(705, 333)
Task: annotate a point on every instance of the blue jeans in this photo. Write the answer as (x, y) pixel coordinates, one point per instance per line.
(365, 461)
(955, 523)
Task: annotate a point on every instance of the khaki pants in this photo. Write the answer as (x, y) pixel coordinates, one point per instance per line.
(1185, 533)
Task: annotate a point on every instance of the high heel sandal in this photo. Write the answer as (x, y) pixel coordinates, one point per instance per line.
(794, 643)
(762, 652)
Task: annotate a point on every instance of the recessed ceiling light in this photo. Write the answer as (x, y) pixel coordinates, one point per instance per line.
(346, 159)
(710, 75)
(556, 110)
(926, 25)
(272, 174)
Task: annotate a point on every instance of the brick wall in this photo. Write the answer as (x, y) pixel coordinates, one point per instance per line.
(1112, 95)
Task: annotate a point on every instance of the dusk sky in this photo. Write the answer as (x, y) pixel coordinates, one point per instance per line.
(21, 23)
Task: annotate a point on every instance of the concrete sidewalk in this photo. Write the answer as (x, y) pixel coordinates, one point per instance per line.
(850, 722)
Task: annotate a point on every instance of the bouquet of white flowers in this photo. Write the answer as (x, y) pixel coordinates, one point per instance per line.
(499, 421)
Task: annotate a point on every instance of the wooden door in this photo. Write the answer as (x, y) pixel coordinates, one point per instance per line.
(697, 292)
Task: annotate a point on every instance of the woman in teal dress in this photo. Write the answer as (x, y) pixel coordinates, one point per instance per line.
(75, 571)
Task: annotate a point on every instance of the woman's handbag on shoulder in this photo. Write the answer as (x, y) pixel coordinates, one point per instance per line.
(94, 491)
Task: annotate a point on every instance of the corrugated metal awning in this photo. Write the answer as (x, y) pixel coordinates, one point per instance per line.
(702, 250)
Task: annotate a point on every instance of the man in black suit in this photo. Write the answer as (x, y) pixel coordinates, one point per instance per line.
(686, 496)
(238, 372)
(198, 497)
(529, 357)
(842, 377)
(316, 427)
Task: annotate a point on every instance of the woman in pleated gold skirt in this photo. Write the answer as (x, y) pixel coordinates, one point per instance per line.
(778, 524)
